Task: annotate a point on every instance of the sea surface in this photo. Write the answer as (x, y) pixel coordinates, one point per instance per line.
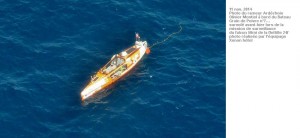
(49, 50)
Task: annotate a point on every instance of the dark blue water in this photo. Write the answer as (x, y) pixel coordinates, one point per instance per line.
(49, 50)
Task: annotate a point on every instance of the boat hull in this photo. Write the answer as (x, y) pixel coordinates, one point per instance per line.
(109, 74)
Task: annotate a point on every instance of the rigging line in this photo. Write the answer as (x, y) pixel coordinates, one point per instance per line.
(168, 37)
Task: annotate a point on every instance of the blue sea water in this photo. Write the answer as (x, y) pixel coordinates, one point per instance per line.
(49, 50)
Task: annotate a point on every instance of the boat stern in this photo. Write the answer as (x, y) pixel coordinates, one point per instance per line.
(143, 45)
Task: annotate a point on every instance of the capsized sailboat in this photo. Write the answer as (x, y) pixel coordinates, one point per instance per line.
(117, 67)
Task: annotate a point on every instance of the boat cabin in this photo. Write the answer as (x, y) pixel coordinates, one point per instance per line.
(115, 62)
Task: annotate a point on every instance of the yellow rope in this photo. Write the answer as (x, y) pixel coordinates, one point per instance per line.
(168, 37)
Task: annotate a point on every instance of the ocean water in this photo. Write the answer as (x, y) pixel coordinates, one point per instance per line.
(49, 50)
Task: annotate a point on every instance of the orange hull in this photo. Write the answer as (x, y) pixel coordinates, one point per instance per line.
(119, 65)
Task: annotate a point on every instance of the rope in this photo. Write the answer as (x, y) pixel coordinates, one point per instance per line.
(168, 37)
